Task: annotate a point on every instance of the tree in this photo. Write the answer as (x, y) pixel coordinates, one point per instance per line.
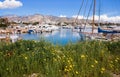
(4, 22)
(35, 23)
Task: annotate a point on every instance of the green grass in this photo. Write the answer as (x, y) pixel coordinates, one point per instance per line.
(83, 59)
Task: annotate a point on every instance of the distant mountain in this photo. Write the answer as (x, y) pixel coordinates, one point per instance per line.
(30, 18)
(44, 19)
(38, 18)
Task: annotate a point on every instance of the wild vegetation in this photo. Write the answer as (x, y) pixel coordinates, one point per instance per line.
(83, 59)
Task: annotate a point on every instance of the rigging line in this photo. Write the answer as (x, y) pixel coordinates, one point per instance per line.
(79, 10)
(88, 14)
(89, 10)
(84, 12)
(93, 23)
(99, 12)
(85, 9)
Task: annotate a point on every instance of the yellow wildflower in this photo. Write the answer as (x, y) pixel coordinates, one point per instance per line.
(92, 66)
(70, 66)
(28, 48)
(44, 59)
(82, 56)
(54, 59)
(66, 70)
(26, 58)
(103, 69)
(116, 60)
(76, 72)
(59, 70)
(7, 69)
(96, 61)
(111, 65)
(68, 61)
(111, 61)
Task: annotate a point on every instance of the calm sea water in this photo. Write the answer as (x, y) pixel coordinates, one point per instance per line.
(63, 36)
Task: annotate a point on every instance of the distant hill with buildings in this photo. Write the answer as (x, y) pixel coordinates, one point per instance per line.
(38, 18)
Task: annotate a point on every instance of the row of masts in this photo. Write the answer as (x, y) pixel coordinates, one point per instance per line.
(93, 5)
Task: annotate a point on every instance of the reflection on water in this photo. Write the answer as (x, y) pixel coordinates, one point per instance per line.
(62, 36)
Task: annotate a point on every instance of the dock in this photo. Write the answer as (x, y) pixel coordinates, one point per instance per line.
(102, 36)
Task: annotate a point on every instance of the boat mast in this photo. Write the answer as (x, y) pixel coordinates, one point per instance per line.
(93, 22)
(99, 13)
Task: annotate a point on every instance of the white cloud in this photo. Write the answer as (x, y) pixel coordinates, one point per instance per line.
(103, 18)
(10, 4)
(79, 17)
(62, 16)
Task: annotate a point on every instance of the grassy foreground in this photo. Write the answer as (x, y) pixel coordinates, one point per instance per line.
(83, 59)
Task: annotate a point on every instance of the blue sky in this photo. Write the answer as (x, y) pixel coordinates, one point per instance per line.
(60, 7)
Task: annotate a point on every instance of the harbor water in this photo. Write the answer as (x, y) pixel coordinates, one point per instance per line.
(62, 36)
